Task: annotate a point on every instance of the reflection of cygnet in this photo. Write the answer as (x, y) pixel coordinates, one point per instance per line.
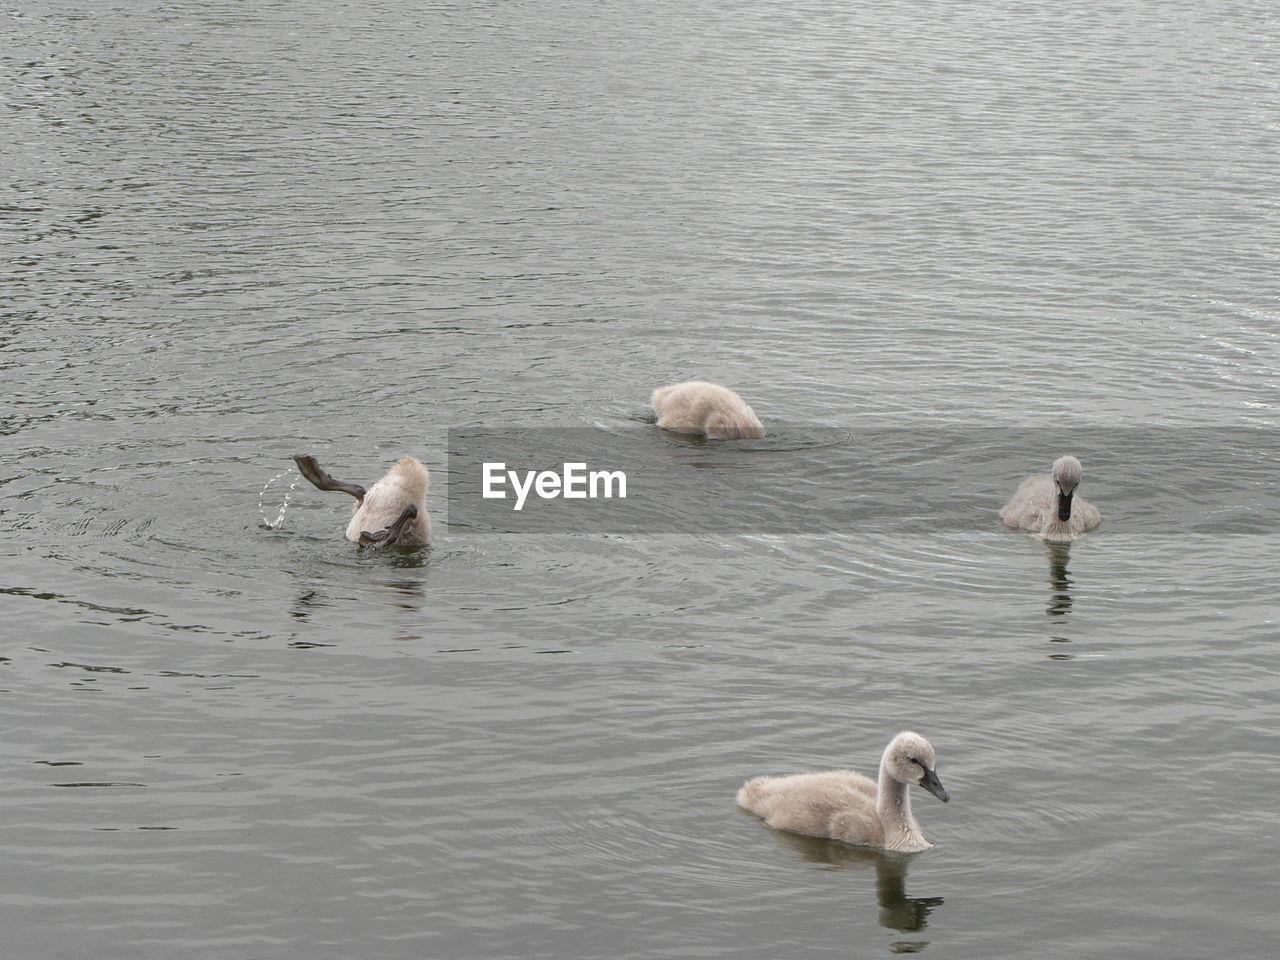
(393, 511)
(1043, 504)
(1060, 580)
(707, 409)
(847, 806)
(897, 910)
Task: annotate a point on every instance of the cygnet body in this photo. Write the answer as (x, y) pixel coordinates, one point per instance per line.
(844, 805)
(392, 511)
(709, 409)
(1045, 504)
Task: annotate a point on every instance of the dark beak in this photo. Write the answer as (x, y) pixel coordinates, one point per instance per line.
(1064, 506)
(931, 783)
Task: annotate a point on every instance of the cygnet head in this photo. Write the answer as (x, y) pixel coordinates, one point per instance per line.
(1066, 474)
(909, 759)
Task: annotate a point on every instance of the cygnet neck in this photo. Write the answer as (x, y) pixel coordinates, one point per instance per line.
(893, 804)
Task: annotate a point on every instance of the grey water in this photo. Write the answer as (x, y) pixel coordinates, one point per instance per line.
(967, 237)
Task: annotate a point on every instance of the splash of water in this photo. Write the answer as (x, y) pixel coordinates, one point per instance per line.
(284, 504)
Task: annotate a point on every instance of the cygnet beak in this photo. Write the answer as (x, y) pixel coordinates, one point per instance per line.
(1064, 505)
(931, 783)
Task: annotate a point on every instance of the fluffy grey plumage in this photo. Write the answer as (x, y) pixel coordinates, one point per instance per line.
(392, 511)
(708, 409)
(1045, 504)
(844, 805)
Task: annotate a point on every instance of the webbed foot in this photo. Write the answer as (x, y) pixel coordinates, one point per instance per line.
(308, 467)
(392, 533)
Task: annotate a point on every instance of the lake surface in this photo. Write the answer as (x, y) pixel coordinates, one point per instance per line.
(962, 239)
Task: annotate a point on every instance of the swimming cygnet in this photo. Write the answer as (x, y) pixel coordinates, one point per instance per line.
(392, 511)
(705, 408)
(847, 806)
(1043, 504)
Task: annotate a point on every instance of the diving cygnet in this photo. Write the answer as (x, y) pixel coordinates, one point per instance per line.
(707, 409)
(393, 511)
(1043, 504)
(847, 806)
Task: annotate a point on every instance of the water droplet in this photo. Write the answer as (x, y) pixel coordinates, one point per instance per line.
(284, 504)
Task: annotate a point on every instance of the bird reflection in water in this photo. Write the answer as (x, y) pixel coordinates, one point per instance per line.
(897, 910)
(1059, 580)
(304, 605)
(1059, 593)
(404, 586)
